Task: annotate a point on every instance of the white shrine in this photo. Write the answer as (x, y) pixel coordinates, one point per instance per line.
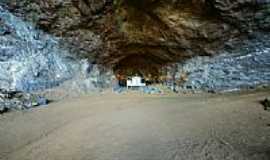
(135, 81)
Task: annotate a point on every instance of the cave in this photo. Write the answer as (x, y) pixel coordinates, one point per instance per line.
(147, 67)
(145, 40)
(135, 79)
(152, 38)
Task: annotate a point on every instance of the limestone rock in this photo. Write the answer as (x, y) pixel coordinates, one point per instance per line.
(246, 68)
(19, 100)
(31, 60)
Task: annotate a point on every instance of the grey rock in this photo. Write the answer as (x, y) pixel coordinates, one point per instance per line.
(31, 60)
(245, 68)
(266, 104)
(151, 90)
(18, 100)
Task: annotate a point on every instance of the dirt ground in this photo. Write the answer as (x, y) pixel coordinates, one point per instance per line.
(140, 127)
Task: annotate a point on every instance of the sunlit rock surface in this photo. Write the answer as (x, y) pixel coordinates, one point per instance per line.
(76, 22)
(31, 60)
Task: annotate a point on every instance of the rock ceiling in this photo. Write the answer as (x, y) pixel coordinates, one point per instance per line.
(128, 33)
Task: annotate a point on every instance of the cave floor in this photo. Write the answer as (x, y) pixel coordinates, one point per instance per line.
(137, 127)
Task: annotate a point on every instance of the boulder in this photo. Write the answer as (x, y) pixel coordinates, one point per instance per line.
(266, 104)
(18, 100)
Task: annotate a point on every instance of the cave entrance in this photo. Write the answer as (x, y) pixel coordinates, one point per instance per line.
(146, 67)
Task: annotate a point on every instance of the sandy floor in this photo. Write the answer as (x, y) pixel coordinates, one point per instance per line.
(134, 127)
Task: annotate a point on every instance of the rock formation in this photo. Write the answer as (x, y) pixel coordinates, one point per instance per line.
(243, 69)
(167, 30)
(18, 100)
(31, 60)
(145, 35)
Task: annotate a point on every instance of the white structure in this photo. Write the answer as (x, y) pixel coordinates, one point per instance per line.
(135, 82)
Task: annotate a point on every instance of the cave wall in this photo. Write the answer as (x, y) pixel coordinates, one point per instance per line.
(146, 34)
(78, 23)
(244, 68)
(108, 31)
(31, 60)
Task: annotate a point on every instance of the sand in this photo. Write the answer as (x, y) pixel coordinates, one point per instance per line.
(140, 127)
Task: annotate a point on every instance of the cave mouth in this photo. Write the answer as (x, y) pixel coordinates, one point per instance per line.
(148, 67)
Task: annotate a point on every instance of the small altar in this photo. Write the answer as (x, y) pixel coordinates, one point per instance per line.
(135, 81)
